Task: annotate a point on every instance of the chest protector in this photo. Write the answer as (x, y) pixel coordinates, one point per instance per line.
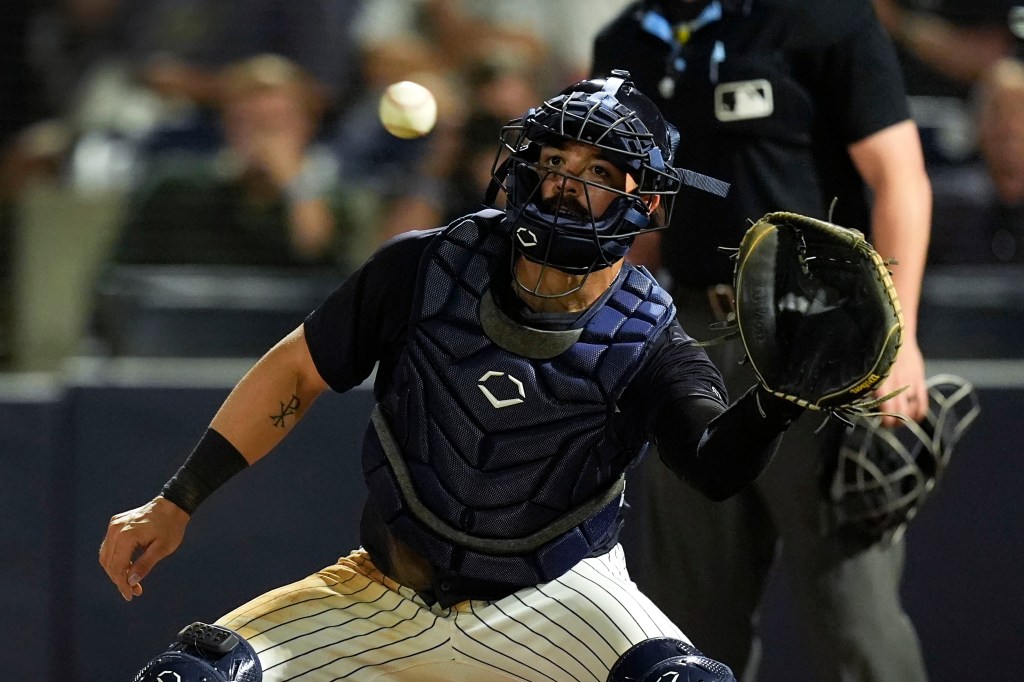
(494, 455)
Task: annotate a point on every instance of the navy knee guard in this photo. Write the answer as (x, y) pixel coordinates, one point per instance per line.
(663, 659)
(204, 653)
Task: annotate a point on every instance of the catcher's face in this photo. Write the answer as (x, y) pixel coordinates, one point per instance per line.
(578, 180)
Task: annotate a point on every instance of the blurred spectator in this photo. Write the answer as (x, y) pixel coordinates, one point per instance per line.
(54, 52)
(456, 170)
(1015, 19)
(944, 46)
(466, 31)
(269, 197)
(484, 61)
(122, 81)
(68, 42)
(180, 46)
(18, 105)
(455, 33)
(374, 164)
(1001, 129)
(497, 92)
(471, 176)
(184, 43)
(980, 216)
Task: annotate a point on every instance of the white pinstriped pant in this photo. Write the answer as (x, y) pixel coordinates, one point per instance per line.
(351, 622)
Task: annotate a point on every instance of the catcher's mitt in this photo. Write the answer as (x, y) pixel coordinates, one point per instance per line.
(817, 312)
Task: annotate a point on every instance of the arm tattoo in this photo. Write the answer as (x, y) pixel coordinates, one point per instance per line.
(287, 409)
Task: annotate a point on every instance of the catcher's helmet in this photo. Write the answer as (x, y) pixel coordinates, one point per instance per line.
(663, 659)
(627, 127)
(204, 653)
(883, 476)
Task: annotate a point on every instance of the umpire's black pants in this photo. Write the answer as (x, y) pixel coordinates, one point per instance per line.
(706, 563)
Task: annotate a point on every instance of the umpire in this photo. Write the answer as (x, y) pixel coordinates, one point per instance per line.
(794, 106)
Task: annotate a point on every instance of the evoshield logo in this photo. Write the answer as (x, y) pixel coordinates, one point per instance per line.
(498, 403)
(526, 238)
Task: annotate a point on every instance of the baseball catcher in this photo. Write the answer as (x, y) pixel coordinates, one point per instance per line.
(523, 368)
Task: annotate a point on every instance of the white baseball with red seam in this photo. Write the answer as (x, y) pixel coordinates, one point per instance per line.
(408, 110)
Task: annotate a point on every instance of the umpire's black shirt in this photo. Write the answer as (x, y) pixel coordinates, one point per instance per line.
(767, 101)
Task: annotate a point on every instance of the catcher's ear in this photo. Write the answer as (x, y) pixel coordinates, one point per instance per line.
(651, 201)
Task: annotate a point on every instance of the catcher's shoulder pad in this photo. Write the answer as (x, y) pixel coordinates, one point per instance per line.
(816, 310)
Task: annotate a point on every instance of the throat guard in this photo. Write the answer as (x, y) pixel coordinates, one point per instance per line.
(494, 455)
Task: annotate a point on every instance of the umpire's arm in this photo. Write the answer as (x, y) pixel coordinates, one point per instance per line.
(892, 165)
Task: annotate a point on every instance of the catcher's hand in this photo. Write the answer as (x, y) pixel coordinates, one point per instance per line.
(817, 312)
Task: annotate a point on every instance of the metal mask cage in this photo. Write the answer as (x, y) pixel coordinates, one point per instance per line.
(565, 231)
(629, 132)
(520, 149)
(599, 119)
(883, 476)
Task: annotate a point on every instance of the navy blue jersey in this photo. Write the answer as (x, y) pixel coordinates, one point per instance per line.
(676, 397)
(364, 322)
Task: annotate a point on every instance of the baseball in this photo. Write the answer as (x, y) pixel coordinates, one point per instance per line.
(408, 110)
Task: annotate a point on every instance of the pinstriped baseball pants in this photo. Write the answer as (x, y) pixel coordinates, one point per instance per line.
(350, 622)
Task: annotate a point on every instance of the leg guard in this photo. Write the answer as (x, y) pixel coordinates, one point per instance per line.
(204, 653)
(663, 659)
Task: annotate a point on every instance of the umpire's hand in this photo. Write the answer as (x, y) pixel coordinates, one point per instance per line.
(156, 529)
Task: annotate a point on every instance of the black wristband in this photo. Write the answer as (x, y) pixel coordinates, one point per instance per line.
(213, 461)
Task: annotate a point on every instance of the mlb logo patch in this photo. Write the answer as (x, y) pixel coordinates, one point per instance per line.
(744, 100)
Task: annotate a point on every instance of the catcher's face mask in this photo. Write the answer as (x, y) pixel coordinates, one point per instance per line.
(590, 222)
(883, 476)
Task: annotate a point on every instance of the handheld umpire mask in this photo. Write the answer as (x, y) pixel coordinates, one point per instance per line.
(882, 476)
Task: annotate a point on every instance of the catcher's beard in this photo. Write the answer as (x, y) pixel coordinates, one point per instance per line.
(564, 205)
(548, 282)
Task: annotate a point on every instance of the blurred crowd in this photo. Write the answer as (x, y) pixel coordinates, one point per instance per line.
(245, 132)
(962, 65)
